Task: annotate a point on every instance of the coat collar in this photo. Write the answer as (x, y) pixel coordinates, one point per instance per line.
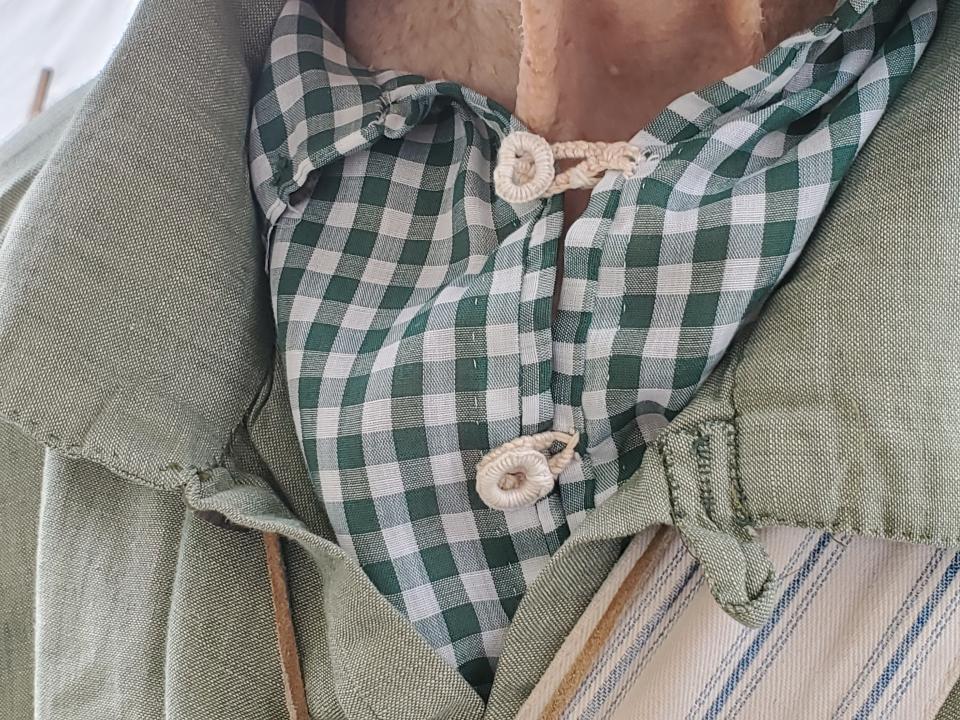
(135, 325)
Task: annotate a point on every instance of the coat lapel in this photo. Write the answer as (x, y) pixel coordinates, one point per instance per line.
(135, 324)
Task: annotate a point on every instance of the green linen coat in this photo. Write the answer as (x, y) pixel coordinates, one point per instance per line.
(146, 439)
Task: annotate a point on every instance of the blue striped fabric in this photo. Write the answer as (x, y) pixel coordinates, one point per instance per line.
(863, 628)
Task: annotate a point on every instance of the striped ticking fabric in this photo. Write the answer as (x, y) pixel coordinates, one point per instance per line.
(862, 628)
(413, 306)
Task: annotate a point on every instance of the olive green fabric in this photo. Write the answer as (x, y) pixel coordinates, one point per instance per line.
(142, 402)
(23, 155)
(951, 708)
(19, 510)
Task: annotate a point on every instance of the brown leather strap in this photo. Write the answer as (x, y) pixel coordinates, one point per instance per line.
(293, 690)
(601, 633)
(40, 96)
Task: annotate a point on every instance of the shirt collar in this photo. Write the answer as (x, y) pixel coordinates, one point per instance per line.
(315, 103)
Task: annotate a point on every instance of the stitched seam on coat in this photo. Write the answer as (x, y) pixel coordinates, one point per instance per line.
(767, 519)
(305, 538)
(33, 429)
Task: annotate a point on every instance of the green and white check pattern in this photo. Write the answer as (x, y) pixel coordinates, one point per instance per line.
(414, 307)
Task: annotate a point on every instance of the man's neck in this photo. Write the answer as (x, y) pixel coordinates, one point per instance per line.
(596, 70)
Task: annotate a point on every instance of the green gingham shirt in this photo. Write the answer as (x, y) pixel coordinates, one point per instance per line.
(414, 306)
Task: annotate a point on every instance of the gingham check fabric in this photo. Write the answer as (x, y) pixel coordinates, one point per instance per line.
(414, 307)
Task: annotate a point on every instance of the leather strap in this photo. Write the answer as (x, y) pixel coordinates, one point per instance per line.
(638, 574)
(293, 690)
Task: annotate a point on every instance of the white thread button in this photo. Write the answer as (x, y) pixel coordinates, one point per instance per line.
(525, 168)
(519, 473)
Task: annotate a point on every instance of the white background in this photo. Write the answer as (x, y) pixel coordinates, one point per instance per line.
(74, 37)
